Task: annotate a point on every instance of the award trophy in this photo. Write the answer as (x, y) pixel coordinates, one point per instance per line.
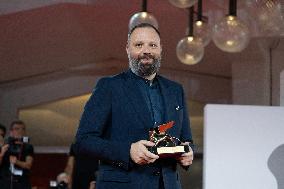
(166, 145)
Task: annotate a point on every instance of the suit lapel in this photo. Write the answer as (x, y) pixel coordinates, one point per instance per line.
(137, 100)
(170, 103)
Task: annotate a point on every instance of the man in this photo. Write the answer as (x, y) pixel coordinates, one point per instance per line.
(16, 159)
(122, 109)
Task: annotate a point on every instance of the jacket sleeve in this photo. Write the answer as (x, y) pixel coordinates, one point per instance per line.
(92, 137)
(186, 135)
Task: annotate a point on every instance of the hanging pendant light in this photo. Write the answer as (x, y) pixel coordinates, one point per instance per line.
(268, 14)
(183, 3)
(143, 17)
(190, 49)
(231, 34)
(202, 29)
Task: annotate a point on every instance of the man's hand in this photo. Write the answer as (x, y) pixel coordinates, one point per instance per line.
(186, 158)
(4, 149)
(140, 154)
(13, 159)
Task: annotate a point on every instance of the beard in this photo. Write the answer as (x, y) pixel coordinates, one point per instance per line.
(144, 69)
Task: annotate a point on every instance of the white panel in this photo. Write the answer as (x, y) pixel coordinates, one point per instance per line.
(282, 88)
(238, 142)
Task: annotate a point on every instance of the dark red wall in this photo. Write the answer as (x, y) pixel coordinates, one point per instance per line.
(46, 167)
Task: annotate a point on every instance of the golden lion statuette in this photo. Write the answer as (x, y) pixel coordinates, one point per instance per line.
(166, 145)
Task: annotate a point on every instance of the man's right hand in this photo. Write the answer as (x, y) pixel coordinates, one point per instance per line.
(140, 154)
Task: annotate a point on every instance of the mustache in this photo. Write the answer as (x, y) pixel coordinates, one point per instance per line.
(146, 56)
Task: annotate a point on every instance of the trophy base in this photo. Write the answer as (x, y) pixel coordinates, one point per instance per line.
(171, 151)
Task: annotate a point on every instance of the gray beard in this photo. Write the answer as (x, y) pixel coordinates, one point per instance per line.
(144, 70)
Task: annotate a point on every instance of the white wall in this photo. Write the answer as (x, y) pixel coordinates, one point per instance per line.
(241, 145)
(282, 88)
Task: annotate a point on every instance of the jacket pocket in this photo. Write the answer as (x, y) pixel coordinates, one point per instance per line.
(115, 176)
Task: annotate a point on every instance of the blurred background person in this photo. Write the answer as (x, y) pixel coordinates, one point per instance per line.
(2, 134)
(3, 146)
(63, 181)
(16, 159)
(81, 170)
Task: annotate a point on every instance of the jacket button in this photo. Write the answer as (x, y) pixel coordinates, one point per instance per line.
(120, 164)
(156, 173)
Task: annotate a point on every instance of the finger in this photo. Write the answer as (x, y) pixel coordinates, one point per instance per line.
(186, 162)
(184, 159)
(188, 154)
(149, 155)
(139, 160)
(142, 162)
(189, 158)
(152, 160)
(147, 143)
(185, 154)
(179, 158)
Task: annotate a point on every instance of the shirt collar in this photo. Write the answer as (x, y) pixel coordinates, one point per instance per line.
(148, 82)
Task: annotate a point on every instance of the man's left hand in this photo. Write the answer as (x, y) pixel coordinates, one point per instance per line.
(186, 158)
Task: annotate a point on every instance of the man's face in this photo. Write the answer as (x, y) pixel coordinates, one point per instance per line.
(144, 51)
(17, 131)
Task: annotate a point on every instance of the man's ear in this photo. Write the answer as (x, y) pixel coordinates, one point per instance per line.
(127, 48)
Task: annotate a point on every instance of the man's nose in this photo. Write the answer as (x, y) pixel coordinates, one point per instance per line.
(146, 54)
(146, 50)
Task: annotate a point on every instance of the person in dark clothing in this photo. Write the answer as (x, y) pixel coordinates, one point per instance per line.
(2, 134)
(2, 130)
(81, 170)
(123, 108)
(16, 159)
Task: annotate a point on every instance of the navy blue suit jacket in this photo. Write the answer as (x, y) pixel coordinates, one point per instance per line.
(115, 116)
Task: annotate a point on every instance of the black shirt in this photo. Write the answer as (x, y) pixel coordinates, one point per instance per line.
(152, 94)
(24, 151)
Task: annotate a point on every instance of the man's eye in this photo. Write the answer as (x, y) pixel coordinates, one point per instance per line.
(154, 45)
(138, 45)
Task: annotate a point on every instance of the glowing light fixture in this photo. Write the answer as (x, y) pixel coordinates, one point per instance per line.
(201, 28)
(231, 34)
(190, 49)
(143, 17)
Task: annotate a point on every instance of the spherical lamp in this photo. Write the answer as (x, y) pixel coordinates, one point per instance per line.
(190, 50)
(142, 17)
(202, 30)
(231, 34)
